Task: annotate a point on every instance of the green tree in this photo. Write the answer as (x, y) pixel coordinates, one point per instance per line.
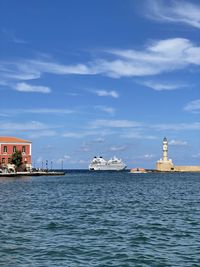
(17, 159)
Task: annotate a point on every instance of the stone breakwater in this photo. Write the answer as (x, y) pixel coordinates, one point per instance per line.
(187, 168)
(166, 165)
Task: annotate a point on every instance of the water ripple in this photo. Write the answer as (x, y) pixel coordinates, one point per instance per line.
(100, 219)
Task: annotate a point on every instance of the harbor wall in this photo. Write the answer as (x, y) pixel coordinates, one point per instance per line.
(187, 168)
(169, 167)
(166, 165)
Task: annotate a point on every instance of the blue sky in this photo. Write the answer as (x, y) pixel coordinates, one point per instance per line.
(85, 78)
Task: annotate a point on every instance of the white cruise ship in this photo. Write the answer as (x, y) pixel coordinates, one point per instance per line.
(100, 164)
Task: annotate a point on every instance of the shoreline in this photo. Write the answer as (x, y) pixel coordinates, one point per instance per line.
(42, 173)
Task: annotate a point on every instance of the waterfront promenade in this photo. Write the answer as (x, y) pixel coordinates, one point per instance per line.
(39, 173)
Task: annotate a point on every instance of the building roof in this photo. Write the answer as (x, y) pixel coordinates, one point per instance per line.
(9, 139)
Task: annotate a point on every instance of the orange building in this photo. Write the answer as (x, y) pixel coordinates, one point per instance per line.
(9, 145)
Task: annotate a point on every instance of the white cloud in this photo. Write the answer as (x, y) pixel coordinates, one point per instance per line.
(157, 57)
(175, 11)
(137, 135)
(114, 124)
(81, 134)
(3, 83)
(160, 56)
(56, 68)
(46, 133)
(145, 157)
(11, 35)
(18, 75)
(148, 156)
(25, 126)
(112, 93)
(33, 69)
(177, 126)
(196, 155)
(193, 106)
(177, 143)
(63, 159)
(118, 148)
(109, 110)
(85, 148)
(17, 71)
(78, 162)
(73, 94)
(55, 111)
(67, 157)
(126, 67)
(73, 135)
(161, 86)
(18, 40)
(33, 129)
(24, 87)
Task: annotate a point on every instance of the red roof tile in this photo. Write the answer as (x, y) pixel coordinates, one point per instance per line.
(9, 139)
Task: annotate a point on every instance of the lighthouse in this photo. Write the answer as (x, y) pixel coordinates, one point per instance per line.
(165, 149)
(165, 164)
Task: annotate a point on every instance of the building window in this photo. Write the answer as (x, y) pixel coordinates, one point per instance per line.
(5, 149)
(9, 160)
(14, 149)
(3, 160)
(23, 149)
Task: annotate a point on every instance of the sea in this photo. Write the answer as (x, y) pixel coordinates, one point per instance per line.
(100, 219)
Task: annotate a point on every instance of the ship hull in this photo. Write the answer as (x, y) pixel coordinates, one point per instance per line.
(106, 168)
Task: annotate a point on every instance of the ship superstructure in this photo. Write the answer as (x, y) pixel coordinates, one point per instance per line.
(100, 164)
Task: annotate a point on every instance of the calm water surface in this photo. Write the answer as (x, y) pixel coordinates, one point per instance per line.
(100, 219)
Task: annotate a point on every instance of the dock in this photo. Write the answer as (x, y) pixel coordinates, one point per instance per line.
(39, 173)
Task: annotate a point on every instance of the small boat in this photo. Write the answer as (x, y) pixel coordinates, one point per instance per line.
(138, 170)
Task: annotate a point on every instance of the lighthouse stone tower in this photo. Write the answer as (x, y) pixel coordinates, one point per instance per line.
(165, 164)
(165, 150)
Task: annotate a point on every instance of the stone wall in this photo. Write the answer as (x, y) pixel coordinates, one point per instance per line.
(187, 168)
(165, 166)
(169, 167)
